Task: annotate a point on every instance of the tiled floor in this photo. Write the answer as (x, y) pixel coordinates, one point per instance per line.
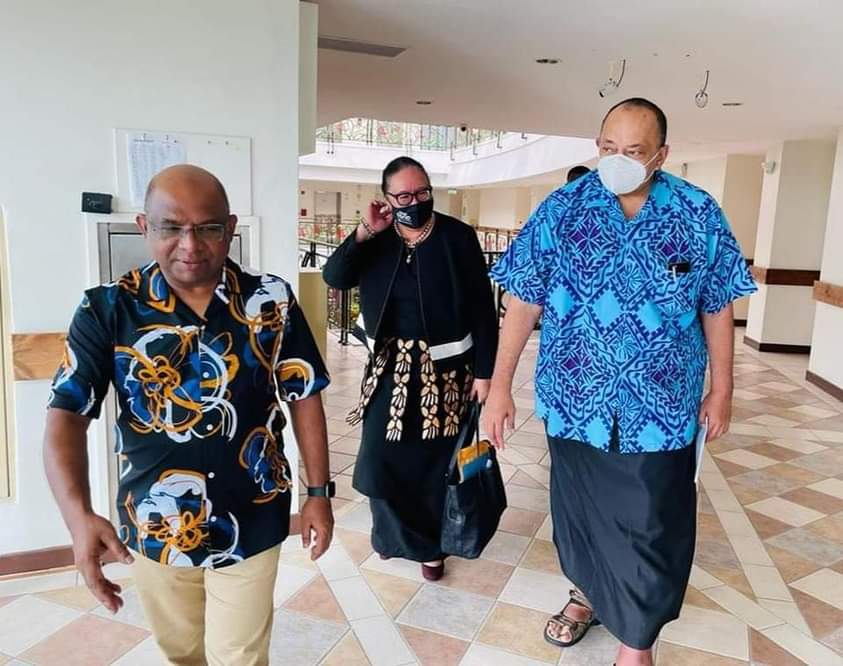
(766, 589)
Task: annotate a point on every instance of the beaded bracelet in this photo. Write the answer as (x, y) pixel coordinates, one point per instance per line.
(368, 229)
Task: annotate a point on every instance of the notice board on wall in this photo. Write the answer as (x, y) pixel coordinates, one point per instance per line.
(139, 154)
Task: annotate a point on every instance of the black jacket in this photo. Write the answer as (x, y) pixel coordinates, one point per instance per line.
(454, 288)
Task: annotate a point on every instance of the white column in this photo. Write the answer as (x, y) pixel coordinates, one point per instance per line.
(826, 365)
(791, 232)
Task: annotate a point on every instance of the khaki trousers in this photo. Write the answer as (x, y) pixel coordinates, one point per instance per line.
(202, 616)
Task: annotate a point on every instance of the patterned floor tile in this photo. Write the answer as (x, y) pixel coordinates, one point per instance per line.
(348, 652)
(298, 639)
(480, 576)
(765, 526)
(765, 652)
(131, 613)
(452, 612)
(316, 600)
(708, 630)
(831, 487)
(800, 446)
(145, 653)
(528, 499)
(820, 616)
(290, 580)
(521, 521)
(87, 641)
(75, 597)
(816, 500)
(542, 556)
(798, 644)
(484, 655)
(824, 464)
(521, 478)
(790, 566)
(746, 458)
(693, 597)
(506, 548)
(29, 620)
(787, 512)
(537, 590)
(777, 479)
(394, 593)
(357, 544)
(673, 655)
(519, 630)
(834, 640)
(808, 545)
(825, 585)
(434, 649)
(830, 528)
(340, 461)
(358, 519)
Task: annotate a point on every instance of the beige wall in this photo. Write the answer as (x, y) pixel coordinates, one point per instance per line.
(735, 183)
(741, 204)
(471, 207)
(710, 175)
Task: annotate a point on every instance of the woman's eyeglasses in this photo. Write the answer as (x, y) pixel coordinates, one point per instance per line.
(405, 198)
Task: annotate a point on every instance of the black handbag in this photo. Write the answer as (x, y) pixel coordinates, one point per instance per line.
(474, 507)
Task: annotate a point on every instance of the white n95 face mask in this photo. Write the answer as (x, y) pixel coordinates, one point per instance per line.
(621, 174)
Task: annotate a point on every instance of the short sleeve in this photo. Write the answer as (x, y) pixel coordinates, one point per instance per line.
(81, 381)
(524, 269)
(300, 371)
(728, 275)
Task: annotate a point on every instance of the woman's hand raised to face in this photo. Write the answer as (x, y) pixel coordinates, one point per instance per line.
(377, 217)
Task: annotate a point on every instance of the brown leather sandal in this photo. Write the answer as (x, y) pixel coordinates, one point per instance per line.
(577, 628)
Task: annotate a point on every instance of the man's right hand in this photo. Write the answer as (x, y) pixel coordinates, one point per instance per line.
(93, 537)
(498, 414)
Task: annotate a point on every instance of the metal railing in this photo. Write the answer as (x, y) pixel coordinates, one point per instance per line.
(406, 135)
(344, 304)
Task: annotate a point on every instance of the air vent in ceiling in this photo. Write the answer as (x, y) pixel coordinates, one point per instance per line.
(354, 46)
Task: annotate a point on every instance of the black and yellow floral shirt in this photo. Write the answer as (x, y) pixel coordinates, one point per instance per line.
(203, 477)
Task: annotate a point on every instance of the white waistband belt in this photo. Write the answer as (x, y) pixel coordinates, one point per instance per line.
(437, 352)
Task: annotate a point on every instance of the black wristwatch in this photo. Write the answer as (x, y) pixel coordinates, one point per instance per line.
(328, 490)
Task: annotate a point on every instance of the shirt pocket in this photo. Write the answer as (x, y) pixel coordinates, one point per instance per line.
(676, 294)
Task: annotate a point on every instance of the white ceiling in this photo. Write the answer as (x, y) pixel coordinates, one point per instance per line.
(475, 60)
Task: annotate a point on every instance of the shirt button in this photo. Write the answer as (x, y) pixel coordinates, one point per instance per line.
(211, 475)
(205, 375)
(209, 427)
(213, 519)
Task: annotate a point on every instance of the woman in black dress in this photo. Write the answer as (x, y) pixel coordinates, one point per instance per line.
(430, 323)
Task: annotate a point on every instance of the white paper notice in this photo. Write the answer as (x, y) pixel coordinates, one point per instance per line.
(700, 446)
(147, 155)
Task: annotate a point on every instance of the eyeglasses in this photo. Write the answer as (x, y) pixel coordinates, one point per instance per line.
(404, 198)
(208, 233)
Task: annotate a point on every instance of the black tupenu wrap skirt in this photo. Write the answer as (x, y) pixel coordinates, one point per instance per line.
(624, 526)
(411, 411)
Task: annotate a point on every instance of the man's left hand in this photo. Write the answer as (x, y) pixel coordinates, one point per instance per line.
(316, 516)
(717, 407)
(480, 390)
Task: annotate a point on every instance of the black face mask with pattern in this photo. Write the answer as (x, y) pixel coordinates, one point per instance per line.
(415, 216)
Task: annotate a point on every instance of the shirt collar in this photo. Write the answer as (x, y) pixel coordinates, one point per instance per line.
(149, 285)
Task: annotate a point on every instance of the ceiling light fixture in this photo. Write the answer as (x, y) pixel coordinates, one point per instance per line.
(613, 82)
(732, 103)
(424, 102)
(701, 98)
(547, 61)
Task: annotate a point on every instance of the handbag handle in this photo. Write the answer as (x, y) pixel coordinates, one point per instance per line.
(472, 425)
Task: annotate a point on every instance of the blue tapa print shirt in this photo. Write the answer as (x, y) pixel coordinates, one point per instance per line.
(203, 477)
(622, 345)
